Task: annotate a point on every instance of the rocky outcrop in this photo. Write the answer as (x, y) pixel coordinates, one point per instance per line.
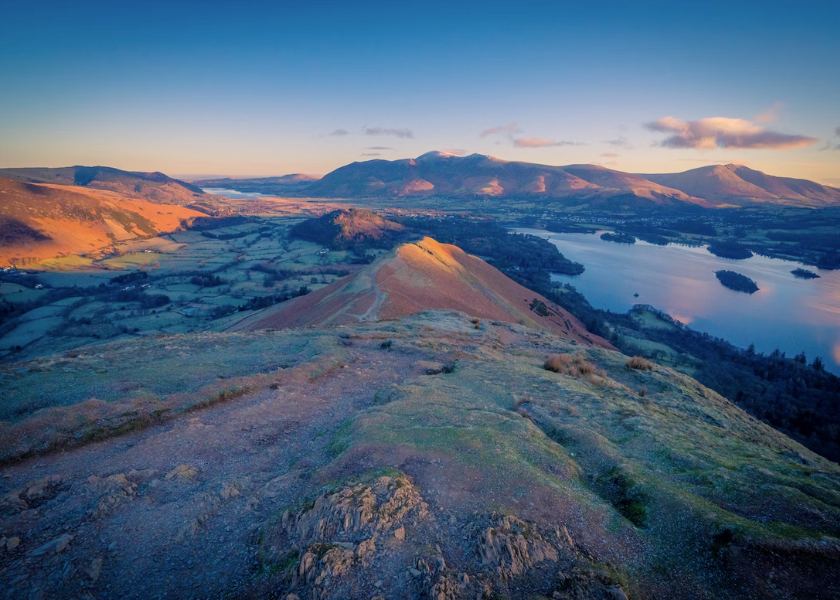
(338, 535)
(513, 546)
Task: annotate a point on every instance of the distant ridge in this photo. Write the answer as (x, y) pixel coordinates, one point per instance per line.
(477, 175)
(480, 176)
(420, 276)
(155, 187)
(284, 184)
(741, 185)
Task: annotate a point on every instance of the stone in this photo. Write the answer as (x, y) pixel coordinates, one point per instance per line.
(58, 545)
(399, 533)
(182, 472)
(95, 569)
(12, 543)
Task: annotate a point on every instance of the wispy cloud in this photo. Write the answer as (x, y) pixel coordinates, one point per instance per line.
(610, 155)
(455, 151)
(771, 114)
(340, 132)
(371, 154)
(378, 148)
(830, 145)
(620, 142)
(723, 132)
(541, 143)
(400, 133)
(508, 129)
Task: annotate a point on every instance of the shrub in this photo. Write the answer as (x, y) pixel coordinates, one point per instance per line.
(643, 391)
(557, 362)
(639, 363)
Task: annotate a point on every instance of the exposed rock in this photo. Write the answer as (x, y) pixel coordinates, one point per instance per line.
(356, 510)
(112, 491)
(182, 472)
(33, 494)
(338, 533)
(58, 545)
(95, 569)
(512, 547)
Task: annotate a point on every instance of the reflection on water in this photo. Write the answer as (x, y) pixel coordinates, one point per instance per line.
(233, 193)
(786, 313)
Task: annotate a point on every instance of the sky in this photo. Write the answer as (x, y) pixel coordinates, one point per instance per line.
(253, 88)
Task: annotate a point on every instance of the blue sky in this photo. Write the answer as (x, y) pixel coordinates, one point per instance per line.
(274, 88)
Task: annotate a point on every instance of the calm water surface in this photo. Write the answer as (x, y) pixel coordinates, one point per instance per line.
(233, 193)
(786, 313)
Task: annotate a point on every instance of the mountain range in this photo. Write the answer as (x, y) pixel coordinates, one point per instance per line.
(477, 176)
(480, 176)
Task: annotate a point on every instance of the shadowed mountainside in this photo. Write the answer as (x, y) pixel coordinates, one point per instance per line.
(421, 276)
(44, 221)
(154, 187)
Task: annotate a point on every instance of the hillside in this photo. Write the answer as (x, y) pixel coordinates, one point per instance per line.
(741, 185)
(154, 187)
(421, 276)
(355, 229)
(43, 221)
(441, 174)
(420, 457)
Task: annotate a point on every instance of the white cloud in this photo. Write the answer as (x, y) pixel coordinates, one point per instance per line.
(541, 143)
(723, 132)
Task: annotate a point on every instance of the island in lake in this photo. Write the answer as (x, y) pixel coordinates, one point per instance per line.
(621, 238)
(732, 250)
(804, 274)
(736, 281)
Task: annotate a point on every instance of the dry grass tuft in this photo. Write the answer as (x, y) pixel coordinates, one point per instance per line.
(639, 363)
(574, 365)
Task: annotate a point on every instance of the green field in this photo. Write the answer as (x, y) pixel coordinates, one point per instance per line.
(251, 261)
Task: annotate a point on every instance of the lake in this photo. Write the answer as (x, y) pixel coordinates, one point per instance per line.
(786, 313)
(233, 193)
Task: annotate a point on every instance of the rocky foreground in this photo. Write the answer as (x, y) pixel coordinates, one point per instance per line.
(429, 457)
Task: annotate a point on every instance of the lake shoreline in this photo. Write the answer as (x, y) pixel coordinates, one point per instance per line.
(680, 281)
